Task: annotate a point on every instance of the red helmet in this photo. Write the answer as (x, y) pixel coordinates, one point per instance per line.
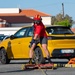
(37, 17)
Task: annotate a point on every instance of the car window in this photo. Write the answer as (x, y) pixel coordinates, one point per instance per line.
(59, 30)
(30, 32)
(2, 37)
(21, 33)
(6, 37)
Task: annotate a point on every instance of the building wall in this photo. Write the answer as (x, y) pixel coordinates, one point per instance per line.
(20, 24)
(45, 20)
(12, 30)
(9, 10)
(9, 30)
(2, 23)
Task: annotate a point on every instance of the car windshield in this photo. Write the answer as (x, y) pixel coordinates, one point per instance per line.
(59, 30)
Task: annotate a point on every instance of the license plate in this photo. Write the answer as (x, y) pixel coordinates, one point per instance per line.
(67, 51)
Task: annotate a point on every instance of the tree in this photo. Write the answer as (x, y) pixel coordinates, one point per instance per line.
(60, 20)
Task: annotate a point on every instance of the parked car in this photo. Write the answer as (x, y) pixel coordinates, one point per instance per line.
(61, 44)
(6, 37)
(2, 36)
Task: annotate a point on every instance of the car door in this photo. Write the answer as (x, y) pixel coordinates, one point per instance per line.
(16, 46)
(25, 42)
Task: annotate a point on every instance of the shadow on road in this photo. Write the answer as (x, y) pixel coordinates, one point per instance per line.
(18, 62)
(17, 71)
(55, 61)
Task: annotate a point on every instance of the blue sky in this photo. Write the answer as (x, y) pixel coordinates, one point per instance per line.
(52, 7)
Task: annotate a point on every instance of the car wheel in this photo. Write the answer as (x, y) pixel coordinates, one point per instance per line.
(38, 56)
(3, 57)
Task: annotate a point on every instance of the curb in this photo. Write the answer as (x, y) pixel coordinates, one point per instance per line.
(65, 65)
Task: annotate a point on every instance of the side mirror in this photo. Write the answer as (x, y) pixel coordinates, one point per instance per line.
(12, 37)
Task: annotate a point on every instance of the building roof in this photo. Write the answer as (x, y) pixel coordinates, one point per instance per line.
(22, 17)
(17, 19)
(32, 12)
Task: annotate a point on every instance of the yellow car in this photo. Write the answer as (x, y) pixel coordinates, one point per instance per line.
(61, 44)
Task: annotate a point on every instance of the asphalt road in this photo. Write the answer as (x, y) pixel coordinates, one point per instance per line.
(14, 68)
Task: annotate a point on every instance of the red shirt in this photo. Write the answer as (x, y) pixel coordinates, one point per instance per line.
(40, 30)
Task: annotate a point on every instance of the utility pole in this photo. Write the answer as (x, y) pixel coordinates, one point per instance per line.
(62, 10)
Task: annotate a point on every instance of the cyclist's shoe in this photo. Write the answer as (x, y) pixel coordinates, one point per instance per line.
(49, 60)
(30, 62)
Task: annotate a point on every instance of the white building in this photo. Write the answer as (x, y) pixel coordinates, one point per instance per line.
(15, 17)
